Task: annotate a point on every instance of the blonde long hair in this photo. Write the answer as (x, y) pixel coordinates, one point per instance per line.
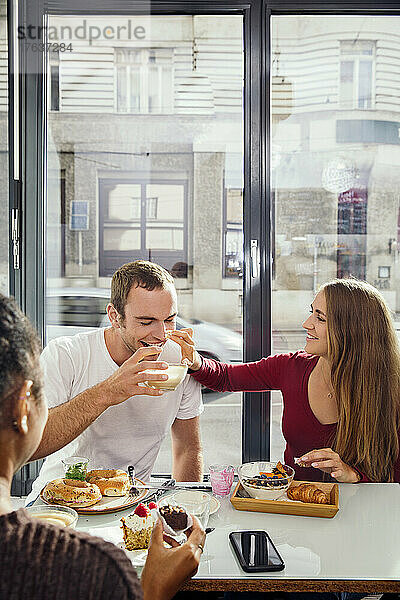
(365, 371)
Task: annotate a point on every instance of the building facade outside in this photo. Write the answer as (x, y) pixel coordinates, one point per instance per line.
(146, 145)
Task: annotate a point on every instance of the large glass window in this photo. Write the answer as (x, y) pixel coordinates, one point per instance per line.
(145, 160)
(4, 204)
(335, 168)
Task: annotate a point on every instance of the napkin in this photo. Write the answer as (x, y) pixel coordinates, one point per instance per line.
(171, 352)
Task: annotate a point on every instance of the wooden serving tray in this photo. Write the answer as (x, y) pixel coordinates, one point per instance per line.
(291, 507)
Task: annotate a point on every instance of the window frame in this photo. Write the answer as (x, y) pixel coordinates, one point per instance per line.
(28, 192)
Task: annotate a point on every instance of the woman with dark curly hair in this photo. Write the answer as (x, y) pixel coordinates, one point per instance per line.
(37, 559)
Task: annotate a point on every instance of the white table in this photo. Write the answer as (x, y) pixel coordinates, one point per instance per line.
(357, 550)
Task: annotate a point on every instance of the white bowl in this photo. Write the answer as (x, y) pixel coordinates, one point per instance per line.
(273, 489)
(64, 516)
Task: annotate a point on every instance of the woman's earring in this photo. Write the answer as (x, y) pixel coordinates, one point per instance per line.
(24, 423)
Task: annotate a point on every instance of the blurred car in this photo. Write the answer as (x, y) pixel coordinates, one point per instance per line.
(73, 310)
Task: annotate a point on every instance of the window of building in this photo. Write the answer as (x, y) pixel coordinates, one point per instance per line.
(357, 73)
(352, 229)
(144, 80)
(142, 220)
(233, 233)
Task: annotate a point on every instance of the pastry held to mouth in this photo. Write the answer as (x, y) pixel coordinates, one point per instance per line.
(157, 349)
(155, 344)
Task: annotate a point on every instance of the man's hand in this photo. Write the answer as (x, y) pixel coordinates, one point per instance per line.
(184, 337)
(330, 462)
(123, 383)
(167, 568)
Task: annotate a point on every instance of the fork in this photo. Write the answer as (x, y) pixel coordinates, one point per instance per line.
(133, 491)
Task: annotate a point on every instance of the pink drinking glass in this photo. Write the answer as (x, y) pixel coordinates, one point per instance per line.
(221, 478)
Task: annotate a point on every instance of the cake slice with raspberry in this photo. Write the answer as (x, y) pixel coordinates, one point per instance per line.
(138, 526)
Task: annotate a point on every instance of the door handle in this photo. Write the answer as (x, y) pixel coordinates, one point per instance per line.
(255, 259)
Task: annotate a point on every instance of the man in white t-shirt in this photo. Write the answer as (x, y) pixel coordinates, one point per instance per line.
(96, 407)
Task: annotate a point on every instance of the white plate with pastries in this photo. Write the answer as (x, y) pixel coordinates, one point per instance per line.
(106, 504)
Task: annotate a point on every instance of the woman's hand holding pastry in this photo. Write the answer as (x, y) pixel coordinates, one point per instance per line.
(184, 337)
(167, 568)
(330, 462)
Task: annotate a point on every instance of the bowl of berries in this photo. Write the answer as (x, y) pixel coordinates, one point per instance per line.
(265, 480)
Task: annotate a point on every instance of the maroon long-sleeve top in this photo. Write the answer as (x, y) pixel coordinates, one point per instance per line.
(290, 374)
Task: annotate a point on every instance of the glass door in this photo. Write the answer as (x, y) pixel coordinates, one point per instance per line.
(335, 168)
(145, 161)
(4, 150)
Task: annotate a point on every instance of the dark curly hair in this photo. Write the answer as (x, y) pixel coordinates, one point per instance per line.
(19, 353)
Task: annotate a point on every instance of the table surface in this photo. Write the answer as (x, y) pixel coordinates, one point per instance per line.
(358, 549)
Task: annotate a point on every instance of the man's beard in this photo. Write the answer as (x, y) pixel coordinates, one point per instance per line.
(129, 346)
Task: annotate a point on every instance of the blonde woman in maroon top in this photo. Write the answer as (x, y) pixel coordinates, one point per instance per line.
(340, 395)
(39, 560)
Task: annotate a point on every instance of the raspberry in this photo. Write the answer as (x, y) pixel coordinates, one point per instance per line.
(152, 505)
(141, 510)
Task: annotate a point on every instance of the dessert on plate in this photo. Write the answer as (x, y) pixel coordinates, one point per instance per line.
(138, 526)
(174, 516)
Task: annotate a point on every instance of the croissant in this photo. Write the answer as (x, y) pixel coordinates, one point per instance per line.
(306, 492)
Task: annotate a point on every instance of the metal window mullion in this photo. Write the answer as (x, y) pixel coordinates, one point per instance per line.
(15, 151)
(257, 304)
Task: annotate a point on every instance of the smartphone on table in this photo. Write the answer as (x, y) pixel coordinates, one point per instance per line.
(255, 551)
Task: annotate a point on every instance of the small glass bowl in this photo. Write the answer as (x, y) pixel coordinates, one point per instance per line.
(75, 465)
(63, 516)
(195, 502)
(271, 490)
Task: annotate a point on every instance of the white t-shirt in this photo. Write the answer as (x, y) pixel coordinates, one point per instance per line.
(129, 433)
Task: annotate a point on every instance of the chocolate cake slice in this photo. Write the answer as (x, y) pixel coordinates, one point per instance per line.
(175, 516)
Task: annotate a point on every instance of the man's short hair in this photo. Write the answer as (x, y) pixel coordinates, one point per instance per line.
(139, 273)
